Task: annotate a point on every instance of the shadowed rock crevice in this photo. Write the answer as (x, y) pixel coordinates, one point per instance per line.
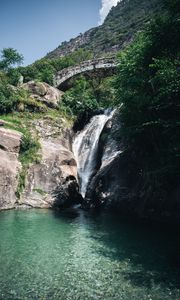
(67, 194)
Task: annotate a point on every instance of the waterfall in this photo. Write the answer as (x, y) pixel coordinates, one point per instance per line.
(85, 148)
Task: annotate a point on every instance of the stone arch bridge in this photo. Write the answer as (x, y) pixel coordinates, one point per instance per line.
(107, 65)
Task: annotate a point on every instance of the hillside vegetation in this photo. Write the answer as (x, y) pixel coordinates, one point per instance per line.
(116, 32)
(148, 85)
(118, 29)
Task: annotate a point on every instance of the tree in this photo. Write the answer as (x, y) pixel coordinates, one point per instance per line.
(148, 85)
(9, 58)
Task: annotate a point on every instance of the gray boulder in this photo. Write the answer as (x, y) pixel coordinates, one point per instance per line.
(9, 167)
(49, 183)
(43, 92)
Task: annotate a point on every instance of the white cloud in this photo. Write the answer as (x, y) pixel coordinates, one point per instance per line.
(105, 8)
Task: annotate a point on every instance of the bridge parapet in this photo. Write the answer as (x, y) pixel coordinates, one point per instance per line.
(89, 65)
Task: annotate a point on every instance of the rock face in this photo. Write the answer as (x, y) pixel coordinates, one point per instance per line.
(68, 47)
(9, 167)
(108, 188)
(119, 183)
(117, 31)
(10, 140)
(43, 92)
(49, 183)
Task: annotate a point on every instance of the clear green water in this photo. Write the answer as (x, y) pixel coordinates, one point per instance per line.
(44, 255)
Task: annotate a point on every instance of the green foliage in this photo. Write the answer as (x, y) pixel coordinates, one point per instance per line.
(44, 69)
(40, 191)
(17, 99)
(148, 85)
(14, 98)
(88, 94)
(13, 76)
(79, 98)
(30, 146)
(29, 73)
(29, 149)
(10, 57)
(81, 55)
(21, 183)
(25, 102)
(8, 99)
(28, 154)
(118, 29)
(173, 6)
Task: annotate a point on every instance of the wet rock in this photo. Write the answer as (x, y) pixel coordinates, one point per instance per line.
(108, 187)
(84, 118)
(119, 182)
(67, 194)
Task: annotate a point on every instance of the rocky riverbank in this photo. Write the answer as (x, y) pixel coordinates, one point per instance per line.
(51, 177)
(49, 181)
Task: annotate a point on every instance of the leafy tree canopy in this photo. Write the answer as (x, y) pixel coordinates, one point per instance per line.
(148, 85)
(9, 58)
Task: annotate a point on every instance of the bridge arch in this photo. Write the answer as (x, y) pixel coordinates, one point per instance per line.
(63, 76)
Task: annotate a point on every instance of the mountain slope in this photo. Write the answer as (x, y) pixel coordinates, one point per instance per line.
(118, 29)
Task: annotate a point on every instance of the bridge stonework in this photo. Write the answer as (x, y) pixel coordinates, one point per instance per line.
(87, 66)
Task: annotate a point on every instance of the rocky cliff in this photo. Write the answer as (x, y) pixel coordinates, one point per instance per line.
(50, 181)
(56, 167)
(9, 166)
(118, 183)
(118, 29)
(53, 182)
(108, 188)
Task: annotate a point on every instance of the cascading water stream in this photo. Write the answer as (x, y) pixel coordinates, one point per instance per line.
(85, 148)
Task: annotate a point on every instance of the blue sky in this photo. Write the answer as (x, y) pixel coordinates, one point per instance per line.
(35, 27)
